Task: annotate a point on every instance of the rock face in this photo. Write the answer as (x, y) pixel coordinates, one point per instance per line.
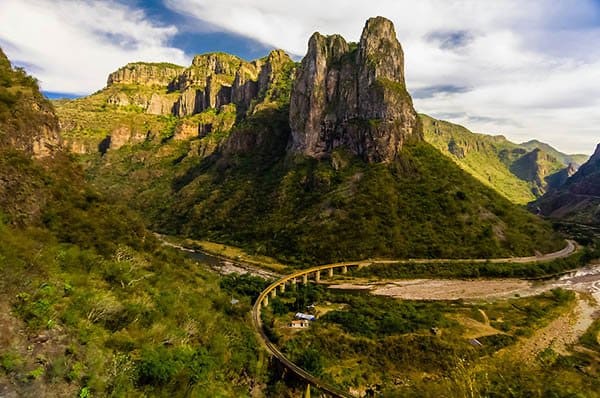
(27, 120)
(212, 81)
(159, 105)
(353, 96)
(147, 74)
(123, 135)
(561, 177)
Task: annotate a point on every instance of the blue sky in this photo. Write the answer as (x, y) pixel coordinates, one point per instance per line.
(195, 36)
(524, 69)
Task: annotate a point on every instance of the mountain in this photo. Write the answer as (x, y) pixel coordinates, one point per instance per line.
(325, 164)
(576, 160)
(144, 101)
(520, 172)
(578, 199)
(90, 302)
(353, 96)
(27, 119)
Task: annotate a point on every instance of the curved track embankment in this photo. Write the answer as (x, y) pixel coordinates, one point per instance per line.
(293, 278)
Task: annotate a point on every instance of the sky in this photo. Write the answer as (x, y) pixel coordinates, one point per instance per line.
(523, 69)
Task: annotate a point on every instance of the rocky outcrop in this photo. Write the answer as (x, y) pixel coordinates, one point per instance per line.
(160, 105)
(210, 96)
(206, 65)
(80, 146)
(27, 120)
(118, 99)
(145, 74)
(185, 131)
(560, 178)
(188, 103)
(122, 136)
(245, 86)
(353, 96)
(212, 81)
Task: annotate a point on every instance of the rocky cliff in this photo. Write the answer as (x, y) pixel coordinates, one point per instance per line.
(27, 119)
(210, 82)
(147, 74)
(521, 172)
(353, 96)
(206, 98)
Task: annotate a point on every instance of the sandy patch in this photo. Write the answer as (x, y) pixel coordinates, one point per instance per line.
(442, 289)
(563, 332)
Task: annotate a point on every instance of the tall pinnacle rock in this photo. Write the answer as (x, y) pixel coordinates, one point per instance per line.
(353, 96)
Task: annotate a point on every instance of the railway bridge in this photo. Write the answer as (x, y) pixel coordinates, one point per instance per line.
(303, 276)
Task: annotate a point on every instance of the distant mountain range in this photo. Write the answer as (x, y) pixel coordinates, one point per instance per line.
(520, 172)
(578, 199)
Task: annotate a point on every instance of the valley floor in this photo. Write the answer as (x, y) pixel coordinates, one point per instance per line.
(585, 280)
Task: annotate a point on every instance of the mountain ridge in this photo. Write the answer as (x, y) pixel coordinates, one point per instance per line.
(578, 199)
(520, 173)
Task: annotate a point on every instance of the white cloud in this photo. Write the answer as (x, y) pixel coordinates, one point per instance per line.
(525, 69)
(71, 46)
(532, 68)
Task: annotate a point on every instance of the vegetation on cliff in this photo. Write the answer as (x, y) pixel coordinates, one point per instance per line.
(249, 184)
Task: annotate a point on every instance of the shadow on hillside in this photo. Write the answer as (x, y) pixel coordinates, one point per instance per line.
(253, 146)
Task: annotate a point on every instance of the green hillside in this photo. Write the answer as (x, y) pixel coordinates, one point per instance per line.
(304, 210)
(520, 172)
(563, 158)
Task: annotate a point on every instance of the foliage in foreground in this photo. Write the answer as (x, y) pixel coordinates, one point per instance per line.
(92, 304)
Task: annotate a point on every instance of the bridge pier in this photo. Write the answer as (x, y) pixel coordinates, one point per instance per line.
(282, 287)
(294, 283)
(331, 272)
(344, 269)
(274, 293)
(318, 276)
(305, 279)
(266, 301)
